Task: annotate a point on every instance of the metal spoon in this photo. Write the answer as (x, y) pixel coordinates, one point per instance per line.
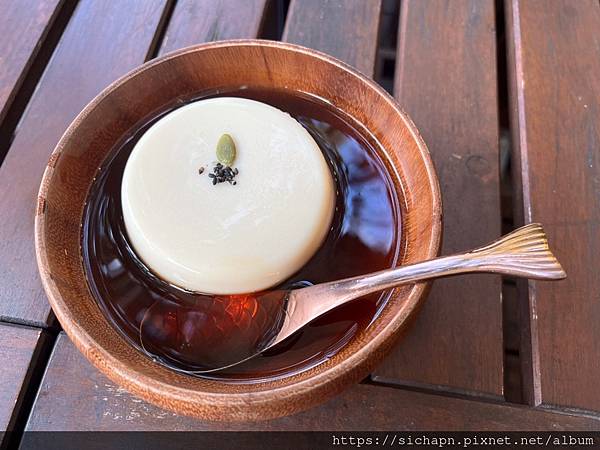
(524, 253)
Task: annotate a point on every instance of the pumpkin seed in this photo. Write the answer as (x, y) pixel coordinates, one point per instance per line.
(226, 150)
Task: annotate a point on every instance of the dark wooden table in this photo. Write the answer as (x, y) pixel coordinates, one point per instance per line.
(506, 93)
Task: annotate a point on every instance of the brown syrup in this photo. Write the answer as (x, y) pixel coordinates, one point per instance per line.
(181, 329)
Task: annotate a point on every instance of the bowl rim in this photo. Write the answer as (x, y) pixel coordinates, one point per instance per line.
(148, 387)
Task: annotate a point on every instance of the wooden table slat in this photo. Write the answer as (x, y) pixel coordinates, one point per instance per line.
(346, 29)
(102, 41)
(446, 81)
(24, 25)
(17, 348)
(554, 69)
(75, 396)
(196, 21)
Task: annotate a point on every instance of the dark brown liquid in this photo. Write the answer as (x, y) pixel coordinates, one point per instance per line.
(172, 325)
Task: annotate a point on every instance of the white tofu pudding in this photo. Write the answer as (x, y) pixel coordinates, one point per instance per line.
(227, 238)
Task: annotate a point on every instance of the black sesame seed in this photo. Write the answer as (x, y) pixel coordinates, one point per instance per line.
(200, 170)
(222, 174)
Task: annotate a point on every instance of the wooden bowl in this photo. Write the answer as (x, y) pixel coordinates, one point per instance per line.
(111, 114)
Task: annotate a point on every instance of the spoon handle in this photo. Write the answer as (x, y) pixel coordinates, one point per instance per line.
(524, 253)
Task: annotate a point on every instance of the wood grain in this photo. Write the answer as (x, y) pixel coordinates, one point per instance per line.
(196, 21)
(346, 29)
(24, 25)
(554, 62)
(102, 41)
(75, 396)
(17, 347)
(92, 136)
(446, 82)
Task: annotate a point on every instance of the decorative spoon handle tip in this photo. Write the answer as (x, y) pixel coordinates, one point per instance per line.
(524, 252)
